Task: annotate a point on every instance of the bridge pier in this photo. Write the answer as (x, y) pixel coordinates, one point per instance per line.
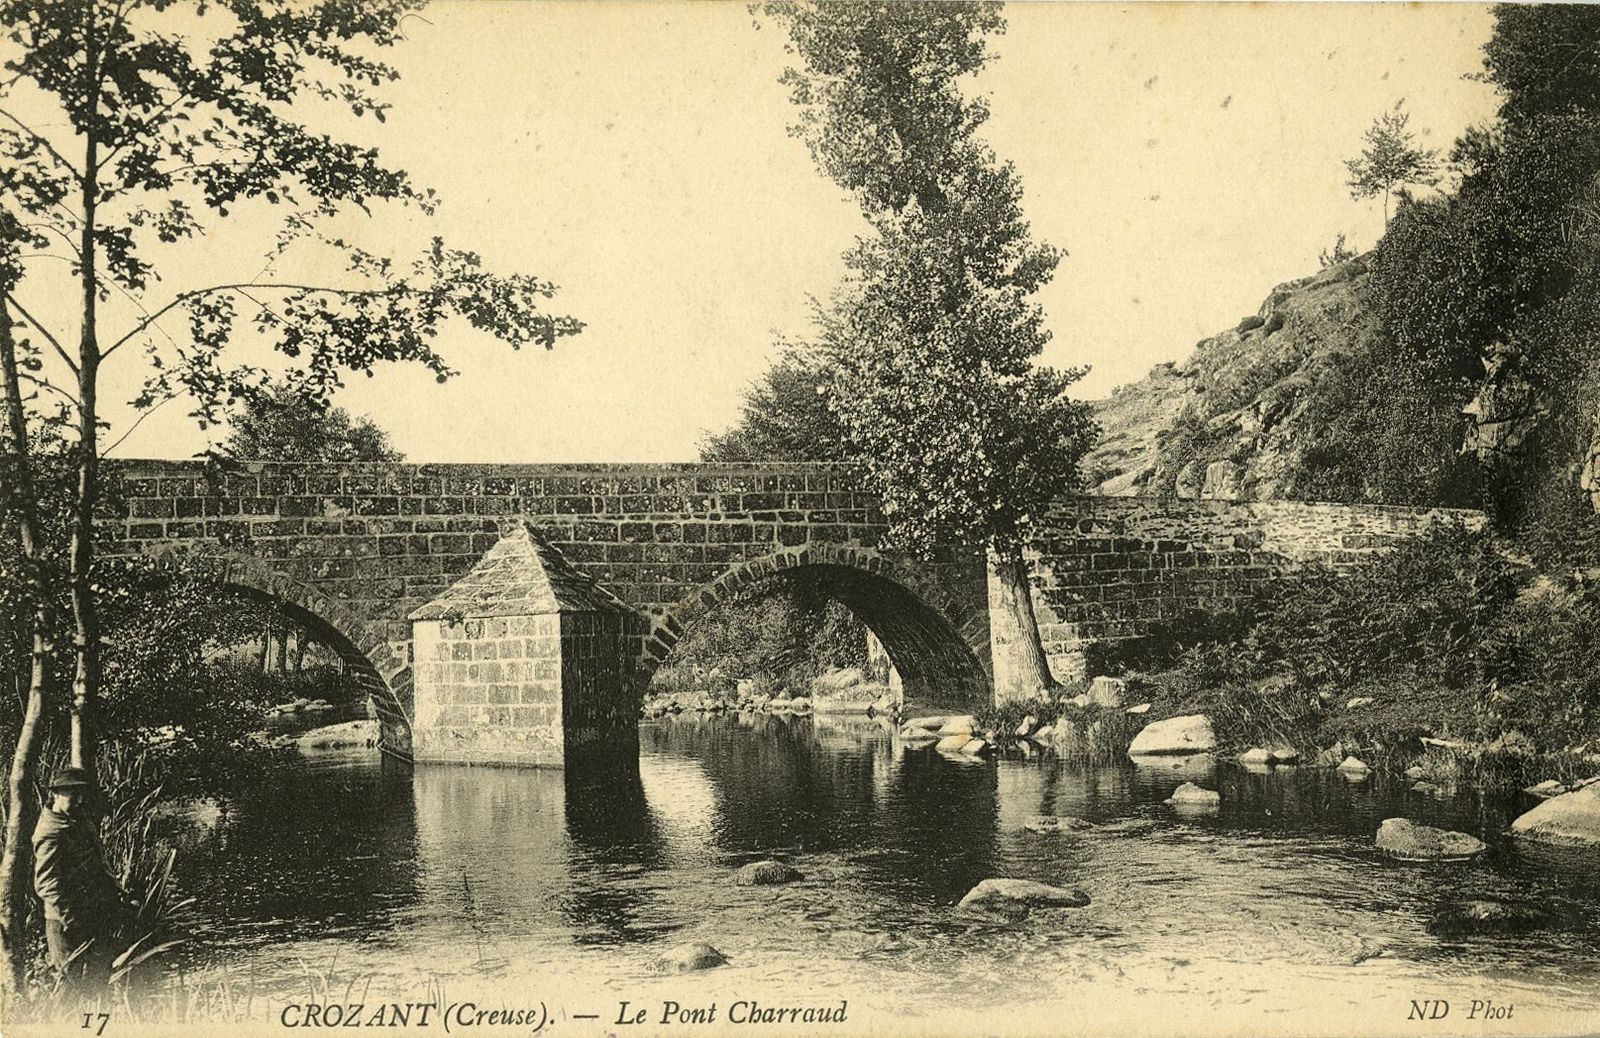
(522, 661)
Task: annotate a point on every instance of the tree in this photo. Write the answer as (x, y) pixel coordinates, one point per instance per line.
(282, 424)
(127, 124)
(1391, 159)
(785, 415)
(935, 333)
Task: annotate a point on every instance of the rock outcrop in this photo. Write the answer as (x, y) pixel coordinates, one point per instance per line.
(1227, 422)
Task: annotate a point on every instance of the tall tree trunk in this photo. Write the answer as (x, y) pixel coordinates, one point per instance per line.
(1021, 669)
(85, 612)
(16, 861)
(266, 643)
(280, 648)
(299, 649)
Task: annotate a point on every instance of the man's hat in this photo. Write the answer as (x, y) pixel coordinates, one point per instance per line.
(71, 778)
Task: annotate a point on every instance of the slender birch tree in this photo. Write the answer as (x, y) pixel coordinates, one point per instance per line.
(139, 125)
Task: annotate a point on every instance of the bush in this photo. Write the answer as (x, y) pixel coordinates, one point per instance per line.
(785, 632)
(1540, 664)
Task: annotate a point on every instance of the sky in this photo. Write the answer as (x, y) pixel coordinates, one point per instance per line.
(1186, 157)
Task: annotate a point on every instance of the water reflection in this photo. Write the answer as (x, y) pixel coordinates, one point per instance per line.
(473, 869)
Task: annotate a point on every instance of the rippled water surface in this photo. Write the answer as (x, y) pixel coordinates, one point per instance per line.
(353, 867)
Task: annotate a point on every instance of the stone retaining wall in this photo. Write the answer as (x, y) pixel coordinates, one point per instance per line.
(1104, 569)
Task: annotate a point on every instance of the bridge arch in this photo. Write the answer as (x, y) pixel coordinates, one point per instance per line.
(382, 669)
(938, 642)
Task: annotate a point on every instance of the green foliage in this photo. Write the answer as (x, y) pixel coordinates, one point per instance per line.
(879, 93)
(1391, 159)
(933, 336)
(1503, 265)
(785, 416)
(1003, 718)
(1443, 634)
(782, 633)
(1541, 666)
(282, 425)
(1340, 253)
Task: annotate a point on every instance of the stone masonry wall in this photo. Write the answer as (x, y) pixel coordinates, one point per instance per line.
(489, 690)
(1105, 568)
(594, 652)
(363, 544)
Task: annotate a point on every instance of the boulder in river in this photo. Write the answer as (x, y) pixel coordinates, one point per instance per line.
(1255, 755)
(687, 958)
(1487, 916)
(953, 743)
(340, 736)
(1409, 841)
(766, 873)
(1354, 766)
(995, 893)
(959, 724)
(1050, 825)
(1546, 789)
(1571, 819)
(931, 724)
(1191, 733)
(1190, 797)
(976, 747)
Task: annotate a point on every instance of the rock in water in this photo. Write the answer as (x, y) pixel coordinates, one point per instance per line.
(1192, 797)
(1571, 819)
(1255, 756)
(1354, 765)
(766, 874)
(1190, 733)
(1000, 893)
(838, 680)
(931, 724)
(686, 958)
(1407, 840)
(1486, 916)
(1051, 824)
(338, 736)
(962, 724)
(953, 743)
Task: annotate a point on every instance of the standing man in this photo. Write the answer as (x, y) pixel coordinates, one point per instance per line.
(81, 897)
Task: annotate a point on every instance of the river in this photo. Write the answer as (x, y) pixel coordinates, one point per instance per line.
(352, 874)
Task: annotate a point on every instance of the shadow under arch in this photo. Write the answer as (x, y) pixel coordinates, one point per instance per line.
(382, 671)
(938, 644)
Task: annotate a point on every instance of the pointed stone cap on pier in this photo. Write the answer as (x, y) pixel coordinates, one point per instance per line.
(520, 576)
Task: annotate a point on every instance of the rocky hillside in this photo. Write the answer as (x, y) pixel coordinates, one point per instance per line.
(1226, 422)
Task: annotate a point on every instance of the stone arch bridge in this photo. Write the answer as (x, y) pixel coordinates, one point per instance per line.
(353, 550)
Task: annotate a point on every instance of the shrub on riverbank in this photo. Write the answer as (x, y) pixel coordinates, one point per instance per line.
(1445, 635)
(783, 633)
